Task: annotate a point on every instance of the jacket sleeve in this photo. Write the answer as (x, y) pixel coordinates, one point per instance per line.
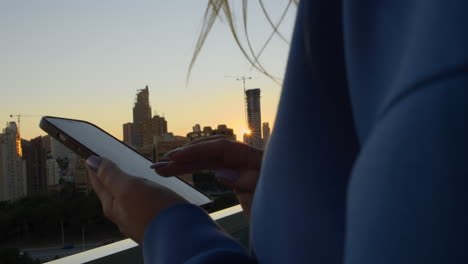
(407, 199)
(184, 233)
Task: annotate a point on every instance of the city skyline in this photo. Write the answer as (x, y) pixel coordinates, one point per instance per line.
(241, 129)
(72, 61)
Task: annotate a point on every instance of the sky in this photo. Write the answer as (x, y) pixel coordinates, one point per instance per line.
(86, 60)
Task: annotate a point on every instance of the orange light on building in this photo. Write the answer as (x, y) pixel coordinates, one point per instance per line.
(19, 150)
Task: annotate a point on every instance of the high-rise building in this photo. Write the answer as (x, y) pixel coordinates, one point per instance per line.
(46, 144)
(58, 150)
(141, 133)
(128, 133)
(141, 113)
(65, 159)
(254, 117)
(51, 165)
(266, 133)
(35, 155)
(151, 128)
(13, 181)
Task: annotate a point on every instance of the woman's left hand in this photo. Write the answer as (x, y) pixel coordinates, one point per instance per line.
(128, 201)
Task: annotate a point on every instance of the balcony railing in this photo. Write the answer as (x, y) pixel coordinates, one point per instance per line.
(232, 220)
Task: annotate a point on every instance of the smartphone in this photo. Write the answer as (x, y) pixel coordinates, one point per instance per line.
(86, 139)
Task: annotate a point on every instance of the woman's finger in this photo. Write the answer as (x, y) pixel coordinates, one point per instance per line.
(178, 168)
(220, 153)
(214, 154)
(204, 139)
(109, 175)
(197, 141)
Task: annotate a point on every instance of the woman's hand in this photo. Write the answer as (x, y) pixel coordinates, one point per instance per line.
(235, 164)
(128, 201)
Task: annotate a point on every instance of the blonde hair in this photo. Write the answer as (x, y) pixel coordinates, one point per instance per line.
(214, 10)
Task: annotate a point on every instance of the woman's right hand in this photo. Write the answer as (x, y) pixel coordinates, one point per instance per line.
(235, 164)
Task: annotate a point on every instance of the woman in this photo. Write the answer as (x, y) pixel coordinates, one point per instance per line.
(367, 160)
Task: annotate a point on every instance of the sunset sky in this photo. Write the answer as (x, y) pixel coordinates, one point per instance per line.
(86, 59)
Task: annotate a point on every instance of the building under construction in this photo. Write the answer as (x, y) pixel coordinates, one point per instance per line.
(141, 113)
(254, 118)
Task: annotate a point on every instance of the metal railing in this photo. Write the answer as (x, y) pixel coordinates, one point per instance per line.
(231, 219)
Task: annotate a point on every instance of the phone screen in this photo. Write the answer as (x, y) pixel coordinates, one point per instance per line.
(104, 145)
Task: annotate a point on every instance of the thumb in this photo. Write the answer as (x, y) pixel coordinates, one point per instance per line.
(109, 174)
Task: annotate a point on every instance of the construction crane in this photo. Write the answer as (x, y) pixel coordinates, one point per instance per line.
(19, 118)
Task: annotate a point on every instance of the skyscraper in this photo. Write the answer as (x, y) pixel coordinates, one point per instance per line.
(35, 155)
(12, 166)
(51, 165)
(266, 133)
(254, 117)
(141, 112)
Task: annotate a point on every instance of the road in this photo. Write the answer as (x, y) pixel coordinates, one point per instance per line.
(49, 253)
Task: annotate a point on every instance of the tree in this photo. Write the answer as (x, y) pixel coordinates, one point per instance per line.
(14, 256)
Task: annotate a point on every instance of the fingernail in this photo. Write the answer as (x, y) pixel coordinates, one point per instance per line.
(172, 152)
(159, 164)
(93, 162)
(227, 174)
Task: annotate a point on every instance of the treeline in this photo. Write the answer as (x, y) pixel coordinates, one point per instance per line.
(14, 256)
(38, 219)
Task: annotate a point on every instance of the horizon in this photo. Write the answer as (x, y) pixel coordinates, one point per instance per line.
(242, 130)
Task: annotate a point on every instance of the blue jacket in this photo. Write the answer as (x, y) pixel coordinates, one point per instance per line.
(368, 162)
